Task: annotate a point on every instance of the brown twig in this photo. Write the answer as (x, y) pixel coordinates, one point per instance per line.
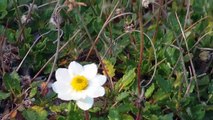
(106, 22)
(55, 54)
(34, 43)
(190, 59)
(57, 49)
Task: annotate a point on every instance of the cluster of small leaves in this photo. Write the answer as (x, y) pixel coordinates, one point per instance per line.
(182, 87)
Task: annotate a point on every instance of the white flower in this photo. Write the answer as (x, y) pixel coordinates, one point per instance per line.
(79, 83)
(145, 3)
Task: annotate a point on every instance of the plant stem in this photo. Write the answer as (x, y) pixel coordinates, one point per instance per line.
(140, 61)
(58, 46)
(86, 115)
(141, 50)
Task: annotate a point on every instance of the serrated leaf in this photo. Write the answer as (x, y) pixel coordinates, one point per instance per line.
(127, 80)
(169, 37)
(41, 113)
(167, 117)
(33, 92)
(126, 107)
(4, 95)
(198, 112)
(127, 117)
(10, 36)
(164, 84)
(114, 115)
(55, 108)
(204, 81)
(122, 96)
(29, 115)
(160, 95)
(35, 113)
(12, 82)
(149, 91)
(109, 68)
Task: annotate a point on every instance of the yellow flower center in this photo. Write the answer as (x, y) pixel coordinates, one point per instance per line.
(79, 83)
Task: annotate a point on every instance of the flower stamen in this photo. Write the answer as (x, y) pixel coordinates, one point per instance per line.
(79, 83)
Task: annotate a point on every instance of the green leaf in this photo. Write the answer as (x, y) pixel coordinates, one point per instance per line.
(127, 80)
(177, 82)
(198, 112)
(153, 117)
(29, 115)
(122, 96)
(41, 113)
(167, 117)
(204, 81)
(3, 14)
(96, 24)
(11, 36)
(58, 108)
(109, 68)
(160, 95)
(55, 108)
(61, 117)
(114, 115)
(12, 82)
(165, 85)
(150, 90)
(48, 69)
(127, 117)
(33, 92)
(4, 95)
(169, 37)
(151, 107)
(126, 107)
(3, 5)
(35, 113)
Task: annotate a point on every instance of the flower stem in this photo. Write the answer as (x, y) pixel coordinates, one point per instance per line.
(86, 115)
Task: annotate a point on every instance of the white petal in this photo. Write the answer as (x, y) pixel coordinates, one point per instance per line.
(99, 79)
(66, 96)
(62, 74)
(90, 71)
(60, 87)
(85, 104)
(75, 68)
(95, 91)
(78, 95)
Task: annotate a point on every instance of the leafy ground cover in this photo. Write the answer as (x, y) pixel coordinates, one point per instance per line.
(157, 57)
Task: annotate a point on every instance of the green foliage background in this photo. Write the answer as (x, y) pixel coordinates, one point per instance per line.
(176, 90)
